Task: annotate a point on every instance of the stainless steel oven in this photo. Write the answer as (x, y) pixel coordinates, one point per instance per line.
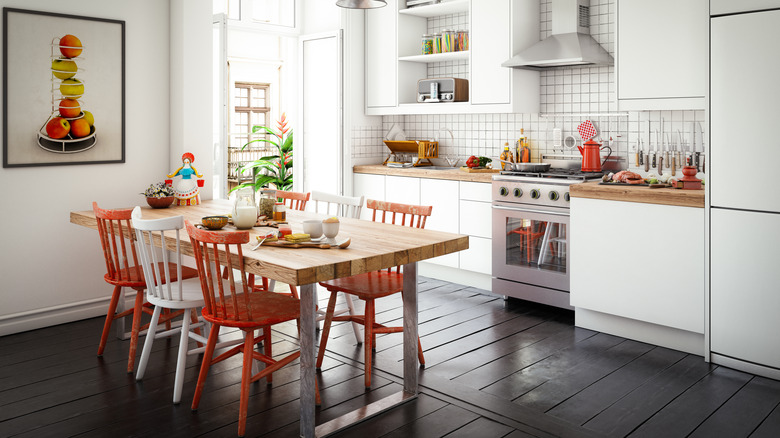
(531, 236)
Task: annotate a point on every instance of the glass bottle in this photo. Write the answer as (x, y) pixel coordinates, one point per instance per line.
(245, 209)
(448, 40)
(280, 212)
(266, 202)
(427, 44)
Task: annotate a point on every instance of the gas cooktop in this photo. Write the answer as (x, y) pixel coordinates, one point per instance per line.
(573, 174)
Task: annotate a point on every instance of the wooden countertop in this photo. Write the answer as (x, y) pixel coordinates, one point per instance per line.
(643, 194)
(421, 172)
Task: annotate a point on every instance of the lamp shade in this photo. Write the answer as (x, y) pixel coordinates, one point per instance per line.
(361, 4)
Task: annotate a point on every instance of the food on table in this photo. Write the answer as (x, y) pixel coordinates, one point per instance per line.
(297, 238)
(331, 220)
(626, 176)
(270, 237)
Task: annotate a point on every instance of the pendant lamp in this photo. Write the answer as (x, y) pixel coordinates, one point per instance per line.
(361, 4)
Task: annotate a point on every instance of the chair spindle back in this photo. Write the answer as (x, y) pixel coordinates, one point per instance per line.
(116, 237)
(147, 231)
(294, 200)
(342, 206)
(225, 298)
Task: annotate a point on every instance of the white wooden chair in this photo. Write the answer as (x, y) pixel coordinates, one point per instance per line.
(342, 206)
(169, 293)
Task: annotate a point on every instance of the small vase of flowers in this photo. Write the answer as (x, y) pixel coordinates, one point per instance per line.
(159, 195)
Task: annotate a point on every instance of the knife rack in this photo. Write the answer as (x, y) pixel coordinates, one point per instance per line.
(425, 150)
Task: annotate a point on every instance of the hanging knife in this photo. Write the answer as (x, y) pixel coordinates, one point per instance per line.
(667, 146)
(656, 150)
(703, 169)
(678, 151)
(697, 154)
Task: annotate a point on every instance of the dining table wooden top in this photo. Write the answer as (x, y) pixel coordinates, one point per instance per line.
(373, 246)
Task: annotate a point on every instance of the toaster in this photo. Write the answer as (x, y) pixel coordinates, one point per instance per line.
(443, 90)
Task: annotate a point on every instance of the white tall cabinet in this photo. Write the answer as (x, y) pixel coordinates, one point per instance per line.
(744, 223)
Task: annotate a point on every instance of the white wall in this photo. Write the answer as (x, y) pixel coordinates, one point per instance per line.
(51, 262)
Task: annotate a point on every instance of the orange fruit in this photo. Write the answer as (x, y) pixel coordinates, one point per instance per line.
(79, 128)
(70, 108)
(69, 46)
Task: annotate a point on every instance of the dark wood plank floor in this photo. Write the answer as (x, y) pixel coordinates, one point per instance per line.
(494, 368)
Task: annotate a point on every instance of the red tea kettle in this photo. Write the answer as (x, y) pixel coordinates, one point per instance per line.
(591, 156)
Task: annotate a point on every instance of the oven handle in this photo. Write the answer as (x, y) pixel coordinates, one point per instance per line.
(528, 210)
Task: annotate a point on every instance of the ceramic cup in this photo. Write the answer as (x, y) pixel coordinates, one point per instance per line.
(313, 228)
(331, 230)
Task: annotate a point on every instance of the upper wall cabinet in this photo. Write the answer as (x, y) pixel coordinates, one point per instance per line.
(497, 30)
(662, 48)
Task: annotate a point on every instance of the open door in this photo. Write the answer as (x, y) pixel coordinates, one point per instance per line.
(319, 147)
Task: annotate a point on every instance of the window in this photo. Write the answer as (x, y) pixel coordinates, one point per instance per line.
(250, 108)
(276, 13)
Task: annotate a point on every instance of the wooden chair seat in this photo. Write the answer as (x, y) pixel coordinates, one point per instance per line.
(368, 286)
(130, 276)
(277, 308)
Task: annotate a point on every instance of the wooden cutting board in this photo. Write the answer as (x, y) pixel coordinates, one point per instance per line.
(478, 170)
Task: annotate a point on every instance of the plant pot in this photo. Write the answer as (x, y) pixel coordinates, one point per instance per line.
(160, 202)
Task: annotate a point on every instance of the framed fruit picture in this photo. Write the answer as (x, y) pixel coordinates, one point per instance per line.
(63, 89)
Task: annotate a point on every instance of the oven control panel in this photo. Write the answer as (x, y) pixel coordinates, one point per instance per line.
(532, 191)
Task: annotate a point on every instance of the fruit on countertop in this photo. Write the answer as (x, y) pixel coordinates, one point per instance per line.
(63, 68)
(475, 161)
(70, 46)
(57, 127)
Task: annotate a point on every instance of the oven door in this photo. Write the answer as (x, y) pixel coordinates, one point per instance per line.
(531, 245)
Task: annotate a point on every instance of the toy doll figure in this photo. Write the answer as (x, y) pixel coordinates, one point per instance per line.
(186, 189)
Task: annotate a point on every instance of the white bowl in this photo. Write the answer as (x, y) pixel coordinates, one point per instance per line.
(313, 228)
(331, 230)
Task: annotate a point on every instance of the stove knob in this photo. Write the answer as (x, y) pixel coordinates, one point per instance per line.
(553, 195)
(518, 193)
(535, 194)
(503, 191)
(566, 197)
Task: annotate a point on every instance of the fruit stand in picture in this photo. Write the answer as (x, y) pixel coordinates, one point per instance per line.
(70, 127)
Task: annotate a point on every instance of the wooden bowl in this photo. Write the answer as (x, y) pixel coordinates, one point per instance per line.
(160, 202)
(214, 222)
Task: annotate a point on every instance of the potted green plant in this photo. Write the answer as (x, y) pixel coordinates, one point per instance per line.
(159, 195)
(274, 169)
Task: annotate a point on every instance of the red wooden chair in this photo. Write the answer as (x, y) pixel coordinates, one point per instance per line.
(123, 270)
(229, 303)
(294, 200)
(373, 285)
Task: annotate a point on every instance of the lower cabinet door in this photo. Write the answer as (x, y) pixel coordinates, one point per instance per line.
(745, 285)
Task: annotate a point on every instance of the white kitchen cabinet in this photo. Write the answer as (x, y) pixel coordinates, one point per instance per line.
(662, 54)
(744, 291)
(401, 189)
(639, 261)
(381, 56)
(443, 196)
(476, 221)
(370, 186)
(498, 28)
(478, 258)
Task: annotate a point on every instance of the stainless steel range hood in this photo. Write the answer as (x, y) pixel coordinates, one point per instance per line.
(569, 44)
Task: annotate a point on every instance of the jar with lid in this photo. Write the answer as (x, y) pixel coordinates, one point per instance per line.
(437, 43)
(280, 212)
(266, 202)
(245, 209)
(448, 40)
(463, 40)
(427, 44)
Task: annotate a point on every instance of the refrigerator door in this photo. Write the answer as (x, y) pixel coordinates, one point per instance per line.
(743, 160)
(744, 291)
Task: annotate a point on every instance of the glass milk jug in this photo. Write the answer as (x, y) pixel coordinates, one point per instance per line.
(244, 209)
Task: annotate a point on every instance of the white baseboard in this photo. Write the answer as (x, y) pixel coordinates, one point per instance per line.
(64, 313)
(668, 337)
(456, 275)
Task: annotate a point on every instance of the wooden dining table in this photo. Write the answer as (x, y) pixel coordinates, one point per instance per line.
(373, 246)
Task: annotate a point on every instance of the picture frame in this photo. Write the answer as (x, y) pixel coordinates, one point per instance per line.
(39, 85)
